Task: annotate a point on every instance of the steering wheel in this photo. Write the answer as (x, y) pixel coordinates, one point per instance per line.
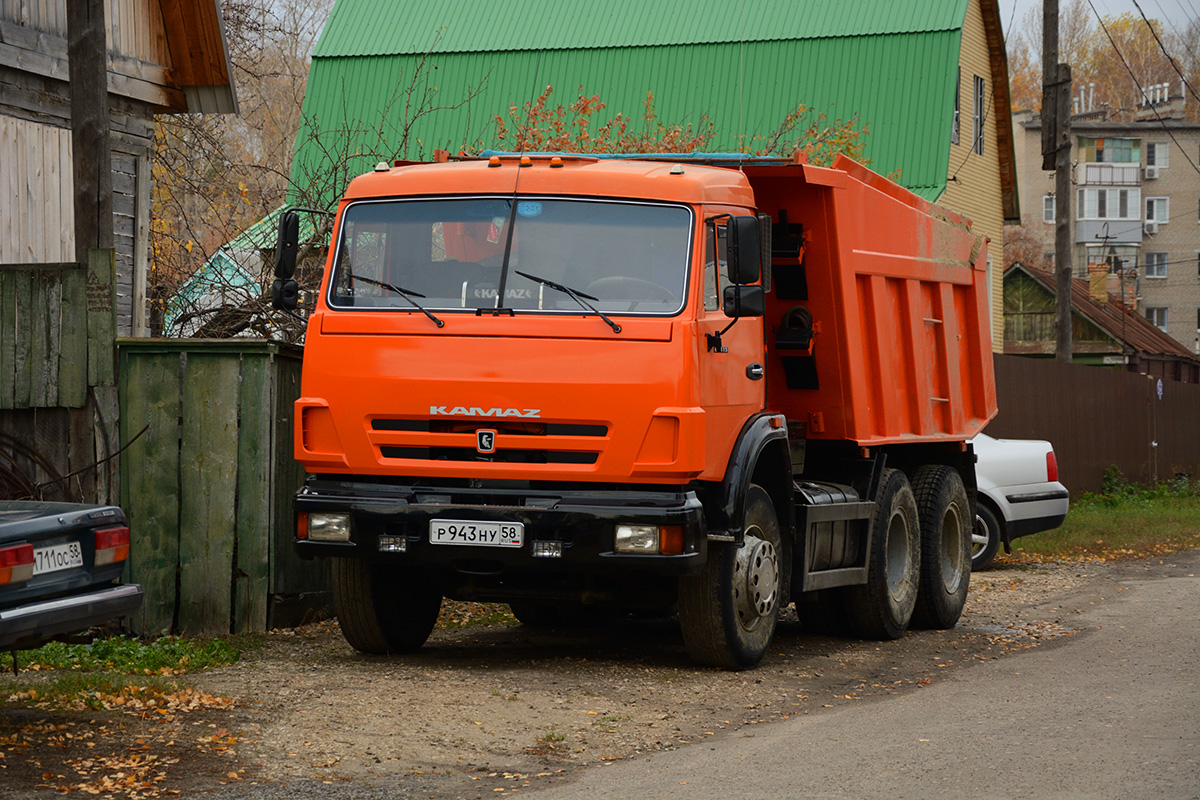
(636, 290)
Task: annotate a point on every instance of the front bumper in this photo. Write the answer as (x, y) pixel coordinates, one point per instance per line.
(582, 520)
(34, 624)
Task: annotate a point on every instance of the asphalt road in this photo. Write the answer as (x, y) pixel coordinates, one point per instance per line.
(1114, 712)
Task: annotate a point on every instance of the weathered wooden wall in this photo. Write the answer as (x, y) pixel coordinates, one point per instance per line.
(208, 486)
(1097, 418)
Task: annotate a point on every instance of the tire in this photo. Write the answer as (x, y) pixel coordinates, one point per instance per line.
(946, 523)
(985, 537)
(883, 606)
(383, 610)
(728, 612)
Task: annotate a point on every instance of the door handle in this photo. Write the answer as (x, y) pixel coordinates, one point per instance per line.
(755, 372)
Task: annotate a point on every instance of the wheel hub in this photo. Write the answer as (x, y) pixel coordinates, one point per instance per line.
(755, 581)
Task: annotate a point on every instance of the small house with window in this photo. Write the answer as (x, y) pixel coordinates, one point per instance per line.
(928, 81)
(1105, 330)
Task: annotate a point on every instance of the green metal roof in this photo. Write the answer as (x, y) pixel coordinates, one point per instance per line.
(891, 64)
(388, 27)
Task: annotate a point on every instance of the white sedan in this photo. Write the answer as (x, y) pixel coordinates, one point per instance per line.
(1019, 493)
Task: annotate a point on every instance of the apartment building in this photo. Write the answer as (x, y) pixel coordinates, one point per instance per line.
(1135, 213)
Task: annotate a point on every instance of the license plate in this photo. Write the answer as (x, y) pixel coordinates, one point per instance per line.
(60, 556)
(471, 532)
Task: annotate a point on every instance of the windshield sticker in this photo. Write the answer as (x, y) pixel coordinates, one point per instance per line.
(494, 231)
(529, 208)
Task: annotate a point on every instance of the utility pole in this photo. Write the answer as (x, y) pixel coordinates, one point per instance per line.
(1056, 155)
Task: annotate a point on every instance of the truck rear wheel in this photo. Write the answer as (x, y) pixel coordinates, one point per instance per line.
(383, 610)
(728, 612)
(946, 525)
(882, 607)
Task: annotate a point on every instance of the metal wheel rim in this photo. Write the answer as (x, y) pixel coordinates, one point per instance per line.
(979, 537)
(953, 544)
(899, 559)
(755, 581)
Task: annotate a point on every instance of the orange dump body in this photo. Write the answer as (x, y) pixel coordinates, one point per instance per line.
(895, 289)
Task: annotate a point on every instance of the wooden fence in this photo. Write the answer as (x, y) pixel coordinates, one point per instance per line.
(1097, 418)
(208, 485)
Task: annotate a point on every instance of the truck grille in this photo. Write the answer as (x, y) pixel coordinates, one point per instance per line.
(522, 442)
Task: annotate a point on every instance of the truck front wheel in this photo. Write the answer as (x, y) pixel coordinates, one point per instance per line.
(883, 606)
(381, 609)
(728, 612)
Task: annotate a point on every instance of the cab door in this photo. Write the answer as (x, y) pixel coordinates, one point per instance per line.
(731, 359)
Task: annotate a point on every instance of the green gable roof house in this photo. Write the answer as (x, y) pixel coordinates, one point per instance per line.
(929, 79)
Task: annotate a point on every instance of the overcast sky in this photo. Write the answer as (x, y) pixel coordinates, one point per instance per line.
(1176, 13)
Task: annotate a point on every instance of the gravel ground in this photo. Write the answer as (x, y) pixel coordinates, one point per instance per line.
(504, 709)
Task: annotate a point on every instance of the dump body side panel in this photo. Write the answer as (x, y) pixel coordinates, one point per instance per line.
(896, 289)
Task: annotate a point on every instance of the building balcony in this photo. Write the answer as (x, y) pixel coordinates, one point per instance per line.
(1095, 174)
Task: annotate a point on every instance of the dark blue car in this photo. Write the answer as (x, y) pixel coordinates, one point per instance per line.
(60, 570)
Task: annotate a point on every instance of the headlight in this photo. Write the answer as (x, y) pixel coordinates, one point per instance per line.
(637, 539)
(329, 527)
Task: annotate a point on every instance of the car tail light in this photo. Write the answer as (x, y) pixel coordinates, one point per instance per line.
(16, 563)
(1051, 467)
(112, 545)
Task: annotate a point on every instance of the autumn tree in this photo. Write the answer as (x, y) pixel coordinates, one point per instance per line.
(1110, 58)
(574, 127)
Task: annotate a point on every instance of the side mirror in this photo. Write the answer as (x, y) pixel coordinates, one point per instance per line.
(286, 244)
(745, 255)
(285, 294)
(744, 301)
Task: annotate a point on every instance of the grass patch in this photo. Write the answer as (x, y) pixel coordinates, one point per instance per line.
(113, 673)
(1123, 521)
(167, 655)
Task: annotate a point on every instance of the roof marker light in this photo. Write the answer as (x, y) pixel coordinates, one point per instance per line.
(494, 161)
(526, 161)
(556, 162)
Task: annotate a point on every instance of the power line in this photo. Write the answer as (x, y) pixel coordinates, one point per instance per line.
(1137, 83)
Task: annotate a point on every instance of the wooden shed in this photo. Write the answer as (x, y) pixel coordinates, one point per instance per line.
(80, 83)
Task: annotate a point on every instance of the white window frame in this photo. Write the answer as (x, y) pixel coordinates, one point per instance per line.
(1162, 210)
(1156, 265)
(1153, 313)
(1049, 209)
(977, 139)
(1158, 154)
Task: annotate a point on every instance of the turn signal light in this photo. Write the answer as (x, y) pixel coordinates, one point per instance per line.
(1051, 466)
(112, 545)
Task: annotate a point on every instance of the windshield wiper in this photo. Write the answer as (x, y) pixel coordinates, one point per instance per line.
(578, 297)
(407, 294)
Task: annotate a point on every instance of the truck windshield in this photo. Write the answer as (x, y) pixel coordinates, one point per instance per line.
(627, 258)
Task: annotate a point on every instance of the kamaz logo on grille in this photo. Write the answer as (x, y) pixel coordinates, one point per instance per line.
(476, 411)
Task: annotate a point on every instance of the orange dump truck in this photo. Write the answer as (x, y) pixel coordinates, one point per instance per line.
(572, 384)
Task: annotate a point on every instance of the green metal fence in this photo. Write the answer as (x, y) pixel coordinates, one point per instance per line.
(207, 485)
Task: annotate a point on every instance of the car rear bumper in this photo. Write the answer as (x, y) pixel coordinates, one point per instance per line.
(1036, 510)
(34, 624)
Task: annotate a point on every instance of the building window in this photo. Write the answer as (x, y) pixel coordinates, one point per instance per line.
(1158, 209)
(954, 131)
(1156, 265)
(1157, 154)
(977, 140)
(1108, 203)
(1048, 210)
(1112, 151)
(1158, 317)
